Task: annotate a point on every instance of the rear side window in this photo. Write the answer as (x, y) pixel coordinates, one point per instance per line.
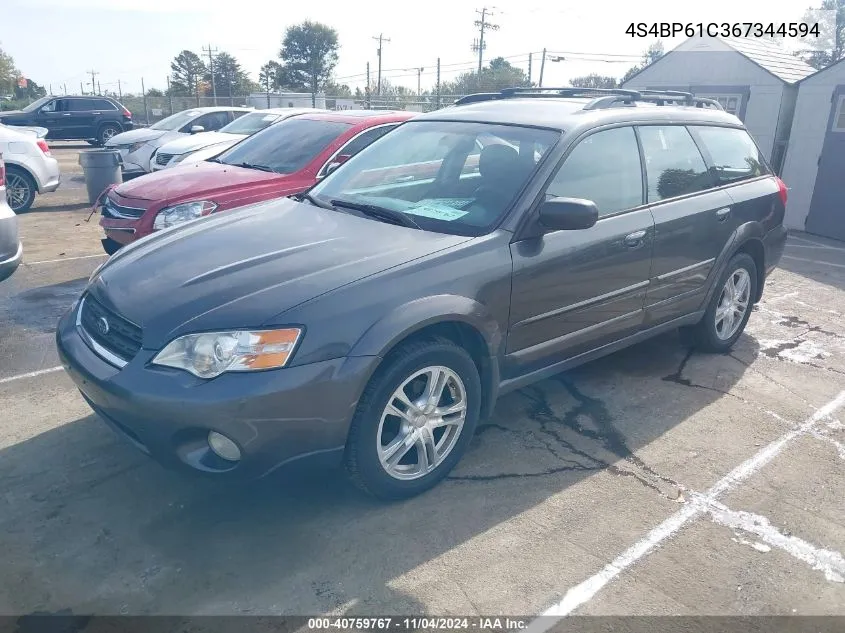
(605, 168)
(733, 153)
(674, 165)
(80, 105)
(103, 104)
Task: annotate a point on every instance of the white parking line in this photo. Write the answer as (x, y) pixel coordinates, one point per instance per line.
(813, 261)
(584, 592)
(64, 259)
(31, 374)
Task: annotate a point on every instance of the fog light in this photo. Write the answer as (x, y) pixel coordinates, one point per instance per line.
(224, 447)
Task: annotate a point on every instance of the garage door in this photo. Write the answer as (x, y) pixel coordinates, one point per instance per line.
(827, 208)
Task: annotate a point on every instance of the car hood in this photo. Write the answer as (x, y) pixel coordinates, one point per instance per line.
(242, 268)
(208, 152)
(197, 141)
(136, 136)
(195, 181)
(6, 113)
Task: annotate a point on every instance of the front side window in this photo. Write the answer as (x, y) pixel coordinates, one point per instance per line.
(176, 121)
(604, 168)
(52, 106)
(674, 165)
(419, 169)
(211, 122)
(40, 103)
(734, 154)
(285, 147)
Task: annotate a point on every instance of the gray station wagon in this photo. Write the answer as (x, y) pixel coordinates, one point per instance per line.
(373, 320)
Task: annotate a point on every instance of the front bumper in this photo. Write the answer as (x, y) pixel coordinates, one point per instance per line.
(298, 416)
(10, 265)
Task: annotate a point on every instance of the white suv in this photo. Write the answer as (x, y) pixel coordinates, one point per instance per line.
(30, 167)
(11, 248)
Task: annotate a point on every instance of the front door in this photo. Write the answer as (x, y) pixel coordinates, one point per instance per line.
(827, 215)
(578, 290)
(55, 118)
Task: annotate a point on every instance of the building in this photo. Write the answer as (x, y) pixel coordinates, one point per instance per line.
(753, 78)
(299, 100)
(814, 169)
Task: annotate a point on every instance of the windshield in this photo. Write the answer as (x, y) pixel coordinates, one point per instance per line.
(450, 177)
(36, 104)
(285, 147)
(175, 121)
(250, 123)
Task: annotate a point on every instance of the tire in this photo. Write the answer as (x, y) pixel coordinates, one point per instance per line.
(715, 333)
(106, 132)
(20, 189)
(374, 431)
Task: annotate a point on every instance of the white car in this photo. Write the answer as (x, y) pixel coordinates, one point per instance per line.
(11, 249)
(137, 146)
(30, 167)
(199, 147)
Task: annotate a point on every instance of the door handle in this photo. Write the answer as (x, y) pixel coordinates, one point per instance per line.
(66, 114)
(722, 214)
(96, 113)
(634, 239)
(402, 179)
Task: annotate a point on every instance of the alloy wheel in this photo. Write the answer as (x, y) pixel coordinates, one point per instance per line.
(733, 303)
(421, 423)
(17, 191)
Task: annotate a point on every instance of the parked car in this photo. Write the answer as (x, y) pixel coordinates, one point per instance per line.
(280, 160)
(197, 147)
(92, 118)
(11, 248)
(374, 320)
(137, 146)
(30, 167)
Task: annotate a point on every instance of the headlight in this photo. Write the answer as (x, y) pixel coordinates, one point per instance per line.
(136, 146)
(171, 216)
(179, 158)
(210, 354)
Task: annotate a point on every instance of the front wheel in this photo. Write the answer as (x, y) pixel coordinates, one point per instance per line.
(729, 308)
(20, 189)
(415, 419)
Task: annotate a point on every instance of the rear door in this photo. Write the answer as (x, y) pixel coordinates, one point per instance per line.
(578, 290)
(81, 120)
(693, 221)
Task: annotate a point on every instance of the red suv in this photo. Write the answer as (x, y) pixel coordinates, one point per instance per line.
(281, 160)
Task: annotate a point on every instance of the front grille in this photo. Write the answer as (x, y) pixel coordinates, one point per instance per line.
(121, 337)
(162, 158)
(119, 212)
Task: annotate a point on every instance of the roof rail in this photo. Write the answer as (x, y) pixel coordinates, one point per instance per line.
(603, 97)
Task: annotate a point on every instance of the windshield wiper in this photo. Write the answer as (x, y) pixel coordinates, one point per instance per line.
(313, 200)
(381, 213)
(254, 166)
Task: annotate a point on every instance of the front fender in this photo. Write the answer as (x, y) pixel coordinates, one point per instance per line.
(413, 316)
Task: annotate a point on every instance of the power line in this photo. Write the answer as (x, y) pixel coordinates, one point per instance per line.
(482, 25)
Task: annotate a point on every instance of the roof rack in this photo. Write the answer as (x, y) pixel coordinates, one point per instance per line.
(604, 97)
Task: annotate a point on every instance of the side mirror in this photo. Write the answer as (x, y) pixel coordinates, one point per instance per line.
(568, 214)
(196, 129)
(337, 162)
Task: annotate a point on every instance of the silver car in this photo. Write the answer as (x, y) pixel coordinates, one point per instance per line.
(11, 249)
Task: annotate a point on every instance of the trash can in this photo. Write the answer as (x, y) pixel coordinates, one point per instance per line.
(101, 168)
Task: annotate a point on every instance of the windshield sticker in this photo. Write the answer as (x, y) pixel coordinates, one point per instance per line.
(432, 209)
(270, 117)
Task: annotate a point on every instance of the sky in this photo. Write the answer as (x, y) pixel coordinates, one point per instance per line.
(57, 42)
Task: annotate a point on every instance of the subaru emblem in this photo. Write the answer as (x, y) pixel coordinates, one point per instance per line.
(103, 325)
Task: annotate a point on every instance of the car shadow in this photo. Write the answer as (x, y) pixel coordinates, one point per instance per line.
(818, 258)
(47, 208)
(93, 526)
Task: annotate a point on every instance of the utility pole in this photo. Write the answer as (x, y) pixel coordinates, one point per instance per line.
(119, 91)
(99, 92)
(367, 89)
(482, 25)
(211, 52)
(197, 86)
(381, 38)
(64, 89)
(144, 94)
(169, 96)
(438, 82)
(81, 89)
(94, 73)
(529, 68)
(419, 73)
(542, 67)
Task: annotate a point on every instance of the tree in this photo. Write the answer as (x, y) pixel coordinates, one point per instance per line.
(651, 55)
(8, 73)
(154, 92)
(829, 47)
(333, 89)
(269, 75)
(187, 69)
(229, 78)
(309, 54)
(594, 80)
(498, 75)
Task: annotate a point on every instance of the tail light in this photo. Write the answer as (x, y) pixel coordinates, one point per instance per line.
(782, 190)
(126, 113)
(42, 145)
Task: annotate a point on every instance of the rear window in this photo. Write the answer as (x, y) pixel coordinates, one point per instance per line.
(735, 156)
(285, 147)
